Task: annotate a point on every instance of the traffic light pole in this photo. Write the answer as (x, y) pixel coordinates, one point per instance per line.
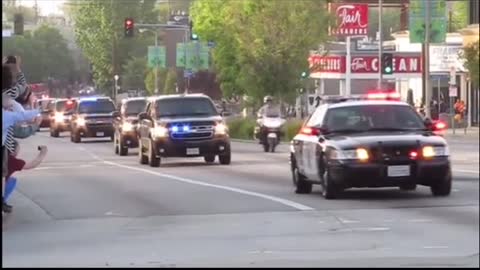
(380, 44)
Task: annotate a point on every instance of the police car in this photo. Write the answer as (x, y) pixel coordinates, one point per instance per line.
(369, 141)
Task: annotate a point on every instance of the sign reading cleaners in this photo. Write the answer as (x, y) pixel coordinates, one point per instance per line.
(352, 19)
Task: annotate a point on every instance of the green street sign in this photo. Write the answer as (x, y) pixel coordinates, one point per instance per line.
(181, 57)
(193, 56)
(438, 18)
(156, 56)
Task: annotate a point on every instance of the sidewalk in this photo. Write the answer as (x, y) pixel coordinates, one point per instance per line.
(471, 133)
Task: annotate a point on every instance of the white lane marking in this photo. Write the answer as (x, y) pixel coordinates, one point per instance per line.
(347, 221)
(64, 167)
(372, 229)
(467, 171)
(435, 247)
(420, 220)
(289, 203)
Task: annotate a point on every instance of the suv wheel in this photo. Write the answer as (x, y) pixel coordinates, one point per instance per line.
(142, 158)
(442, 187)
(115, 144)
(152, 155)
(123, 149)
(226, 158)
(54, 132)
(76, 137)
(209, 158)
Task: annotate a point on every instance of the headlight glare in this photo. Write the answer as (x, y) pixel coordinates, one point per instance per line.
(221, 129)
(355, 154)
(127, 126)
(59, 117)
(81, 121)
(160, 132)
(434, 151)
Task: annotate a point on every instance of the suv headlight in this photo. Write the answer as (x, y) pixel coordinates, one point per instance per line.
(355, 154)
(81, 121)
(435, 151)
(160, 132)
(127, 126)
(221, 129)
(59, 117)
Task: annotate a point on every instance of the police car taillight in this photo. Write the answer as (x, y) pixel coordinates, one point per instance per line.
(310, 131)
(439, 125)
(383, 96)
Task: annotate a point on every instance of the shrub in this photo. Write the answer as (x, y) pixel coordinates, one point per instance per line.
(242, 128)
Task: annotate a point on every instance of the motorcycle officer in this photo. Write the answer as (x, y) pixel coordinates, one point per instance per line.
(269, 109)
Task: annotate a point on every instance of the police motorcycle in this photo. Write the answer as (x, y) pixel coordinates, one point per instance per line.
(269, 127)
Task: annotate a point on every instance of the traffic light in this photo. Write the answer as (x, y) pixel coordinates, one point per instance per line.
(305, 74)
(387, 63)
(129, 27)
(18, 24)
(193, 36)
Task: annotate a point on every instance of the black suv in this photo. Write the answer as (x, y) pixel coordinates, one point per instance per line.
(125, 124)
(93, 117)
(182, 126)
(60, 116)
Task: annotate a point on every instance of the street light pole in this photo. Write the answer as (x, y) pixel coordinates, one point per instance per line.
(380, 43)
(156, 66)
(115, 92)
(428, 92)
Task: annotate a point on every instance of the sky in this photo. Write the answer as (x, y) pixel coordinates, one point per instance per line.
(45, 7)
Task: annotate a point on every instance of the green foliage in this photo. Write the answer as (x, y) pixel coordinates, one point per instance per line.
(261, 46)
(170, 82)
(471, 56)
(99, 33)
(243, 128)
(44, 53)
(134, 73)
(150, 80)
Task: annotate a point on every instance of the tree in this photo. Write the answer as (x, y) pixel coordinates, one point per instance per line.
(470, 55)
(261, 46)
(99, 33)
(44, 53)
(134, 73)
(170, 82)
(150, 80)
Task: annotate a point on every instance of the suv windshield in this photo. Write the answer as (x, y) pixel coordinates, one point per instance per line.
(135, 107)
(185, 107)
(373, 117)
(99, 106)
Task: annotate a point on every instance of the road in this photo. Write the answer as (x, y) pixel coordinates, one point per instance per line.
(85, 206)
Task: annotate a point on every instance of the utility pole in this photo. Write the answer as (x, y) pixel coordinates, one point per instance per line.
(428, 92)
(156, 66)
(36, 12)
(114, 46)
(380, 44)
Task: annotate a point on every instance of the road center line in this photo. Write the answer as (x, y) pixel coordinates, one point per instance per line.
(466, 171)
(286, 202)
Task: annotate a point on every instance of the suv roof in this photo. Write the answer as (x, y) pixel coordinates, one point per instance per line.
(162, 97)
(94, 99)
(125, 100)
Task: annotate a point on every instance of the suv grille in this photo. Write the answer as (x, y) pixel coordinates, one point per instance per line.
(197, 130)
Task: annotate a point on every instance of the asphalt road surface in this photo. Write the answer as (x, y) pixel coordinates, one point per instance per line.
(85, 206)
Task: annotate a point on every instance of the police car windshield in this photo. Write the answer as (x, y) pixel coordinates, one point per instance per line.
(373, 118)
(185, 107)
(98, 106)
(135, 107)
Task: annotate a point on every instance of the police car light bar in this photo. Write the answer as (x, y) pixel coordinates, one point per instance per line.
(380, 95)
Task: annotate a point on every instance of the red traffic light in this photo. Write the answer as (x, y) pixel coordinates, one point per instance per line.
(128, 22)
(129, 26)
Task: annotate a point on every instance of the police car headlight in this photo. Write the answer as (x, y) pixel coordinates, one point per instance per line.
(160, 132)
(355, 154)
(126, 126)
(435, 151)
